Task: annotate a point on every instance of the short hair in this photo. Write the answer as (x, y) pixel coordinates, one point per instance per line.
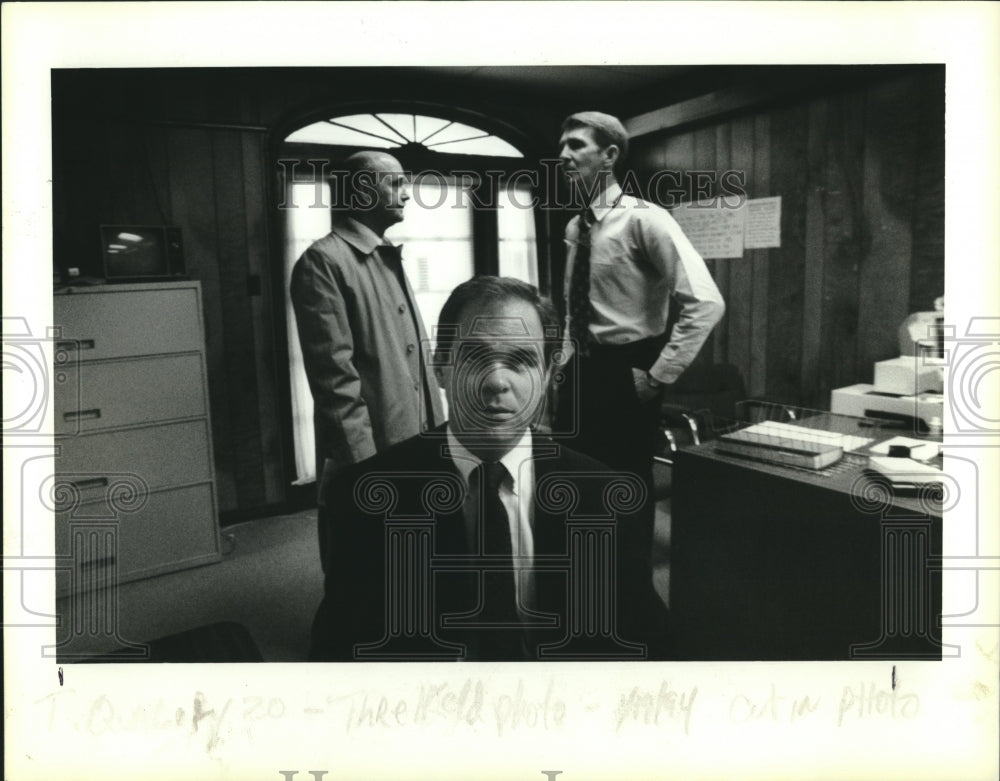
(484, 289)
(360, 163)
(607, 129)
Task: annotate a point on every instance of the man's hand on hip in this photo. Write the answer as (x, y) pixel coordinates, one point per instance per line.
(647, 388)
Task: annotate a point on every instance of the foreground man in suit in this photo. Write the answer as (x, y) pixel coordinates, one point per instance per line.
(482, 539)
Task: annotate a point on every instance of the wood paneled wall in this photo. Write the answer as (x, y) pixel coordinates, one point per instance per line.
(210, 182)
(861, 175)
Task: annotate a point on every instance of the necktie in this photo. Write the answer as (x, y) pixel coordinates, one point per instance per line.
(500, 597)
(580, 308)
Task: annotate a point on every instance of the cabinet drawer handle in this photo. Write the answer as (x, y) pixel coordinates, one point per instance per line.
(103, 561)
(84, 414)
(82, 344)
(94, 482)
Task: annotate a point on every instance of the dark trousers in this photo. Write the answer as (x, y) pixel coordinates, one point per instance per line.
(324, 524)
(613, 426)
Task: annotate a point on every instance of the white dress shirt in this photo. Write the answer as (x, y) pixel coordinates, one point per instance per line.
(516, 493)
(639, 260)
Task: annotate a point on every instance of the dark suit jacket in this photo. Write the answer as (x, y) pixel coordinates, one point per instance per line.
(401, 584)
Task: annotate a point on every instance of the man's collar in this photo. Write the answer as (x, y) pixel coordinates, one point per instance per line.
(357, 234)
(512, 459)
(606, 200)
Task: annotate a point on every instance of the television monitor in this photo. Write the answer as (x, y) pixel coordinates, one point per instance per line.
(141, 252)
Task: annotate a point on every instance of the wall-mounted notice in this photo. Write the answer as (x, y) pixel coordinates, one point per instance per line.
(714, 227)
(763, 223)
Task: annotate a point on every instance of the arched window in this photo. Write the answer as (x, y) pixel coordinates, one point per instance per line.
(392, 131)
(451, 230)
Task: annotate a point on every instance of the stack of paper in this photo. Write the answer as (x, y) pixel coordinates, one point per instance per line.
(794, 433)
(906, 470)
(920, 449)
(764, 442)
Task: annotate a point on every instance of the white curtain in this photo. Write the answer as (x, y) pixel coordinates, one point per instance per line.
(303, 225)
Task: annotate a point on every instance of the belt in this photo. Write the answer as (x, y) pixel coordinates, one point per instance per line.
(651, 344)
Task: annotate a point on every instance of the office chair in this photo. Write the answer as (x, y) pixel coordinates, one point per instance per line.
(704, 396)
(704, 399)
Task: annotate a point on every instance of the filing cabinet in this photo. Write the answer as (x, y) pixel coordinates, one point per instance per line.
(134, 490)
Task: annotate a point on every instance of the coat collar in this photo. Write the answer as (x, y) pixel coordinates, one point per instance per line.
(467, 462)
(543, 450)
(358, 235)
(549, 527)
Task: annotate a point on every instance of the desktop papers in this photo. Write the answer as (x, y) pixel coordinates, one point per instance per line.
(793, 433)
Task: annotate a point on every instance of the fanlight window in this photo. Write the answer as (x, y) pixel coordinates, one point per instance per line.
(388, 131)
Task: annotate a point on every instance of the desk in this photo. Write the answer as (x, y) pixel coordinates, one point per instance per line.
(777, 563)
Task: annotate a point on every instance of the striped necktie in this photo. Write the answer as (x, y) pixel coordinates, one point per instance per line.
(580, 308)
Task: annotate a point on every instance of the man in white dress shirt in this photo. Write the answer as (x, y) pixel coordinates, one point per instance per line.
(628, 262)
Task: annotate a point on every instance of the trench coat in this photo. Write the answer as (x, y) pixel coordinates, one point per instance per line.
(365, 349)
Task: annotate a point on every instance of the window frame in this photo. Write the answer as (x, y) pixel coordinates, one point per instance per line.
(486, 230)
(486, 249)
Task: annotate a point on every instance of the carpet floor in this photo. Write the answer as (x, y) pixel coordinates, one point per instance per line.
(269, 582)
